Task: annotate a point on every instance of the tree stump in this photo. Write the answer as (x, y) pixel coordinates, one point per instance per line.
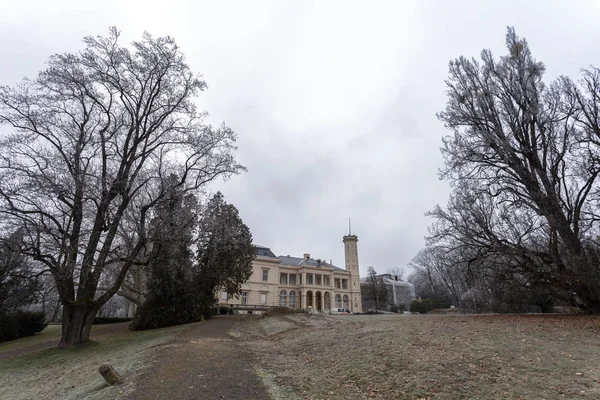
(111, 376)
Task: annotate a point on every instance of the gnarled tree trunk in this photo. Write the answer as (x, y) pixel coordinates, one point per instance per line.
(76, 324)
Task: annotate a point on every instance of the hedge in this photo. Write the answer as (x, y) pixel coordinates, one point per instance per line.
(21, 324)
(224, 310)
(110, 320)
(424, 306)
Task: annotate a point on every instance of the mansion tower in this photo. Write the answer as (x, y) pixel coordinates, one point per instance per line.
(351, 255)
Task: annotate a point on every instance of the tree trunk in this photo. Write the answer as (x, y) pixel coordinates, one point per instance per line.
(76, 324)
(132, 309)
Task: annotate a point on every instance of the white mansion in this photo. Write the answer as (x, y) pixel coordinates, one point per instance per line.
(302, 282)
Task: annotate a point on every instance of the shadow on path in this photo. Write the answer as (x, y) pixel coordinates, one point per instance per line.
(203, 362)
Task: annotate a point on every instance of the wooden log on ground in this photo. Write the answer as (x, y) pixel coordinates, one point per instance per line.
(111, 376)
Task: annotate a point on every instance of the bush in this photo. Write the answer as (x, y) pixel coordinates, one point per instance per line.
(154, 313)
(110, 320)
(30, 323)
(210, 312)
(223, 310)
(279, 311)
(397, 308)
(424, 306)
(21, 324)
(8, 328)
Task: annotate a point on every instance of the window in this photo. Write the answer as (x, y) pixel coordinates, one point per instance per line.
(223, 296)
(244, 298)
(263, 298)
(309, 279)
(265, 275)
(344, 283)
(292, 279)
(346, 301)
(338, 301)
(292, 298)
(283, 299)
(326, 280)
(300, 279)
(338, 285)
(283, 279)
(318, 279)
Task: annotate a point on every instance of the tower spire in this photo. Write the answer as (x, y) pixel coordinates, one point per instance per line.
(349, 227)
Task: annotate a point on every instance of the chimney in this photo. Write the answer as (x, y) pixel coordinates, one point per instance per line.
(306, 256)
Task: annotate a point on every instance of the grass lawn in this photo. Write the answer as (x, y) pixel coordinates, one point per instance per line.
(427, 356)
(51, 333)
(34, 368)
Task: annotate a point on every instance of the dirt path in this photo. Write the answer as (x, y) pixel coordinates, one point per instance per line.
(203, 362)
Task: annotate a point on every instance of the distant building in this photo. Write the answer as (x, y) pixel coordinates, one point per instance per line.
(302, 282)
(398, 292)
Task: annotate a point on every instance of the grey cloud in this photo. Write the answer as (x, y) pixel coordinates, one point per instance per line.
(334, 102)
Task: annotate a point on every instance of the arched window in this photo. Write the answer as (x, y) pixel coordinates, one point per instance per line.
(338, 301)
(309, 299)
(283, 298)
(346, 301)
(292, 299)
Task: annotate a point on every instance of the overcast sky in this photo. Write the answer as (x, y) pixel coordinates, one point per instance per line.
(334, 102)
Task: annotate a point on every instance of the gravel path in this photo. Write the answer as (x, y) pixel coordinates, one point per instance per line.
(203, 362)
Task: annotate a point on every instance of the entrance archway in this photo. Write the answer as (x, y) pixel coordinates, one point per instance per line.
(319, 301)
(309, 299)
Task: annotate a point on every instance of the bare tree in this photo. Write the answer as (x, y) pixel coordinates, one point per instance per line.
(397, 272)
(92, 139)
(523, 157)
(428, 282)
(377, 289)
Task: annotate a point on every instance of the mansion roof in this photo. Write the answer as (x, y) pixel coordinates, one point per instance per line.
(295, 261)
(388, 279)
(299, 261)
(264, 251)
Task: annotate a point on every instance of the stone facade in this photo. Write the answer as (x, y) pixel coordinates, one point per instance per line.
(302, 282)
